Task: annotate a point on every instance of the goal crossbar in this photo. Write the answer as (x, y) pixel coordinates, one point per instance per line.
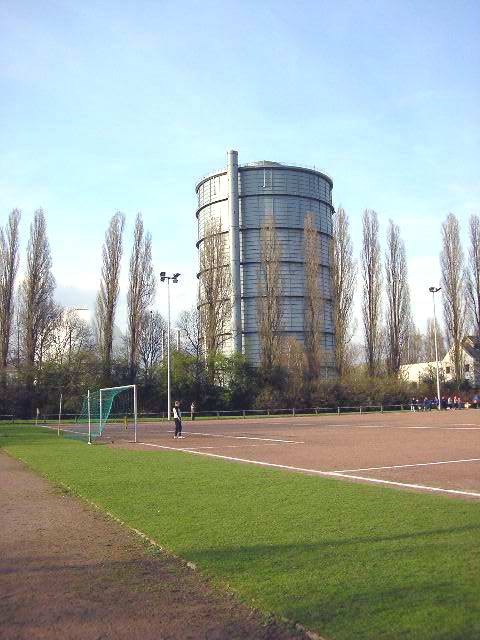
(119, 390)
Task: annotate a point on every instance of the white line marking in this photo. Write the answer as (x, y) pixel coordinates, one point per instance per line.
(418, 464)
(466, 424)
(237, 446)
(384, 426)
(410, 486)
(225, 435)
(334, 474)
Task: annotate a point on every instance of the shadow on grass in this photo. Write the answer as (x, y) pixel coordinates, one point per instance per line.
(266, 549)
(410, 585)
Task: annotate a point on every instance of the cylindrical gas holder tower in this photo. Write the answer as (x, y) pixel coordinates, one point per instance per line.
(241, 197)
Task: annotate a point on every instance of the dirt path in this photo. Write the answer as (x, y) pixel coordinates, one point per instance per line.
(68, 571)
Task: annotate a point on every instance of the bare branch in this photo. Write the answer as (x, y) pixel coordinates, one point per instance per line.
(189, 324)
(151, 338)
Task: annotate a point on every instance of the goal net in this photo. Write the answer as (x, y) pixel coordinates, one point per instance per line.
(114, 406)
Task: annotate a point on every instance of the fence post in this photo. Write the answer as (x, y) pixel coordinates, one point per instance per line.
(218, 414)
(401, 407)
(338, 410)
(243, 413)
(360, 409)
(293, 411)
(381, 408)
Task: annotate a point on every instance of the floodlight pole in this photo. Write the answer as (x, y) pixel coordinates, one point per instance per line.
(169, 397)
(174, 278)
(433, 291)
(135, 411)
(59, 414)
(89, 419)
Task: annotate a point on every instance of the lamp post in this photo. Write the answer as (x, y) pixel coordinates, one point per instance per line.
(174, 279)
(433, 291)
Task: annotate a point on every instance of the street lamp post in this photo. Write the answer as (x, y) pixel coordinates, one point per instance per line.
(433, 291)
(174, 279)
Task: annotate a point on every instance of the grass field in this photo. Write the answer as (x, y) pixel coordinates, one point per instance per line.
(349, 561)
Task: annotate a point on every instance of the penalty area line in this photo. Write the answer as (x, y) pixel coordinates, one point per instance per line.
(417, 464)
(331, 474)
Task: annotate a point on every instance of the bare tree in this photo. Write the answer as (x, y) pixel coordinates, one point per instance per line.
(452, 265)
(38, 312)
(473, 273)
(71, 336)
(313, 299)
(8, 270)
(141, 291)
(150, 346)
(398, 296)
(188, 322)
(372, 288)
(214, 291)
(343, 285)
(269, 310)
(415, 346)
(107, 297)
(294, 360)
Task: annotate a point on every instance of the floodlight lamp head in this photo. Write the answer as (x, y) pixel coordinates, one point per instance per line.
(434, 289)
(162, 275)
(176, 275)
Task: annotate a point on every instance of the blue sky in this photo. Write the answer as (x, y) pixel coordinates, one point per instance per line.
(124, 106)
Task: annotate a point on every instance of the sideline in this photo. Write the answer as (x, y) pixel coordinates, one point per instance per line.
(332, 474)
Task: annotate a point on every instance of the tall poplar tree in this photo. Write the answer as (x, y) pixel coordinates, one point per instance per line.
(107, 298)
(141, 291)
(372, 290)
(9, 242)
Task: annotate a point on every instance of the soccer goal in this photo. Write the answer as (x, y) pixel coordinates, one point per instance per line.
(115, 404)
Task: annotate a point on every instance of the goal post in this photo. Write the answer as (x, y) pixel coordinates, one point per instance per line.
(104, 405)
(104, 394)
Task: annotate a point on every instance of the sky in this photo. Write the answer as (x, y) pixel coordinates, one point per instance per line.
(110, 106)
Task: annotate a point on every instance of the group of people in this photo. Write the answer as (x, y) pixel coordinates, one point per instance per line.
(427, 404)
(177, 416)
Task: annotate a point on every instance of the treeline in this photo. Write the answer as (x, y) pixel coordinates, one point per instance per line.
(301, 372)
(47, 349)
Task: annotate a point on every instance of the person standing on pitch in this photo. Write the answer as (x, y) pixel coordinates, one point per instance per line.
(177, 416)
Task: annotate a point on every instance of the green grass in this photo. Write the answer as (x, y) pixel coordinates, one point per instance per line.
(348, 560)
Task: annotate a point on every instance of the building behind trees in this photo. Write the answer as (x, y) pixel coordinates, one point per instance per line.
(234, 205)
